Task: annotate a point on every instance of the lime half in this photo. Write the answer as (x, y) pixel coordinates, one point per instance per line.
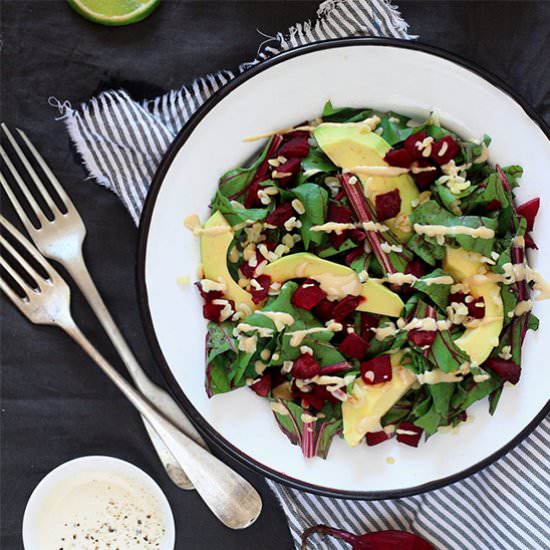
(114, 12)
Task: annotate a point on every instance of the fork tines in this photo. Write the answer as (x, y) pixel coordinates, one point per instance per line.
(25, 159)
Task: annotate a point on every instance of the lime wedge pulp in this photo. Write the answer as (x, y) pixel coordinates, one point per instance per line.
(114, 12)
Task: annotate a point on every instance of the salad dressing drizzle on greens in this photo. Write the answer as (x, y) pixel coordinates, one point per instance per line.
(367, 275)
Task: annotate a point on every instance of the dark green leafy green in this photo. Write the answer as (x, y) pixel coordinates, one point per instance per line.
(344, 114)
(437, 293)
(394, 127)
(236, 215)
(235, 181)
(315, 201)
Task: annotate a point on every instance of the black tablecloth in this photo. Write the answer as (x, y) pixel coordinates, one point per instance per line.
(55, 404)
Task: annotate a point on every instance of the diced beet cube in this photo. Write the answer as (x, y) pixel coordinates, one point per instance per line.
(280, 215)
(529, 242)
(529, 211)
(417, 268)
(412, 143)
(354, 346)
(413, 438)
(356, 235)
(450, 151)
(425, 178)
(252, 200)
(305, 367)
(353, 254)
(376, 370)
(300, 134)
(291, 166)
(212, 311)
(398, 157)
(336, 368)
(476, 308)
(506, 369)
(375, 438)
(323, 310)
(457, 297)
(260, 294)
(209, 296)
(263, 385)
(345, 307)
(338, 214)
(368, 321)
(316, 398)
(388, 205)
(297, 147)
(422, 337)
(493, 205)
(308, 295)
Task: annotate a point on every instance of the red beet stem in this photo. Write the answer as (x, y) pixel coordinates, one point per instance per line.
(363, 212)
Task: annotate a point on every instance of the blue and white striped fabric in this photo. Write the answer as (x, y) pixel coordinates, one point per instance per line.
(505, 506)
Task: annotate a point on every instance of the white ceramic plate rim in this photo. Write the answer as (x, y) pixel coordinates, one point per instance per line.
(95, 462)
(147, 221)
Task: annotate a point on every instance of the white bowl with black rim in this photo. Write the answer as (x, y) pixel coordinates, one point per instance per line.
(406, 77)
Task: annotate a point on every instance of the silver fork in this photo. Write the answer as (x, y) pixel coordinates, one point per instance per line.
(61, 239)
(230, 497)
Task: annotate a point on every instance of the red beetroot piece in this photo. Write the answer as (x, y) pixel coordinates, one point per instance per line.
(411, 439)
(262, 386)
(425, 178)
(368, 321)
(280, 215)
(388, 205)
(356, 235)
(422, 337)
(305, 367)
(209, 296)
(506, 369)
(493, 205)
(338, 214)
(412, 144)
(376, 370)
(345, 307)
(291, 166)
(353, 254)
(443, 154)
(417, 268)
(323, 310)
(476, 307)
(296, 147)
(316, 398)
(398, 157)
(354, 346)
(375, 438)
(336, 368)
(529, 211)
(212, 311)
(308, 295)
(260, 294)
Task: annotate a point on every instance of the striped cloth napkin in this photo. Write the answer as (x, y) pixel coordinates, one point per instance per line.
(121, 142)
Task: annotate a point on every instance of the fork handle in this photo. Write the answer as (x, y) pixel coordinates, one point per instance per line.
(231, 498)
(163, 401)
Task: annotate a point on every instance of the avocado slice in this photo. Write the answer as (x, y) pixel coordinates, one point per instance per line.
(371, 402)
(214, 247)
(337, 281)
(354, 144)
(478, 342)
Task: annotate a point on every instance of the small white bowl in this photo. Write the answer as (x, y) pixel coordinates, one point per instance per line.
(89, 479)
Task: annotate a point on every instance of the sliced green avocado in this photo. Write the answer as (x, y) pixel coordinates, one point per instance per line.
(477, 342)
(354, 144)
(214, 247)
(369, 403)
(337, 281)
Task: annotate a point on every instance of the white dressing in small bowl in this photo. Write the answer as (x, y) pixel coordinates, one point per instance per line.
(96, 503)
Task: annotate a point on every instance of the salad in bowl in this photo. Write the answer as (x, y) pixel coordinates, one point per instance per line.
(366, 274)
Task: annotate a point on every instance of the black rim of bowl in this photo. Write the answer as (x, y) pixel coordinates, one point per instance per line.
(213, 437)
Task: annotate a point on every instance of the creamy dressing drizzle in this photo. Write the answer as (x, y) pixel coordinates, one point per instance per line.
(437, 376)
(442, 230)
(280, 318)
